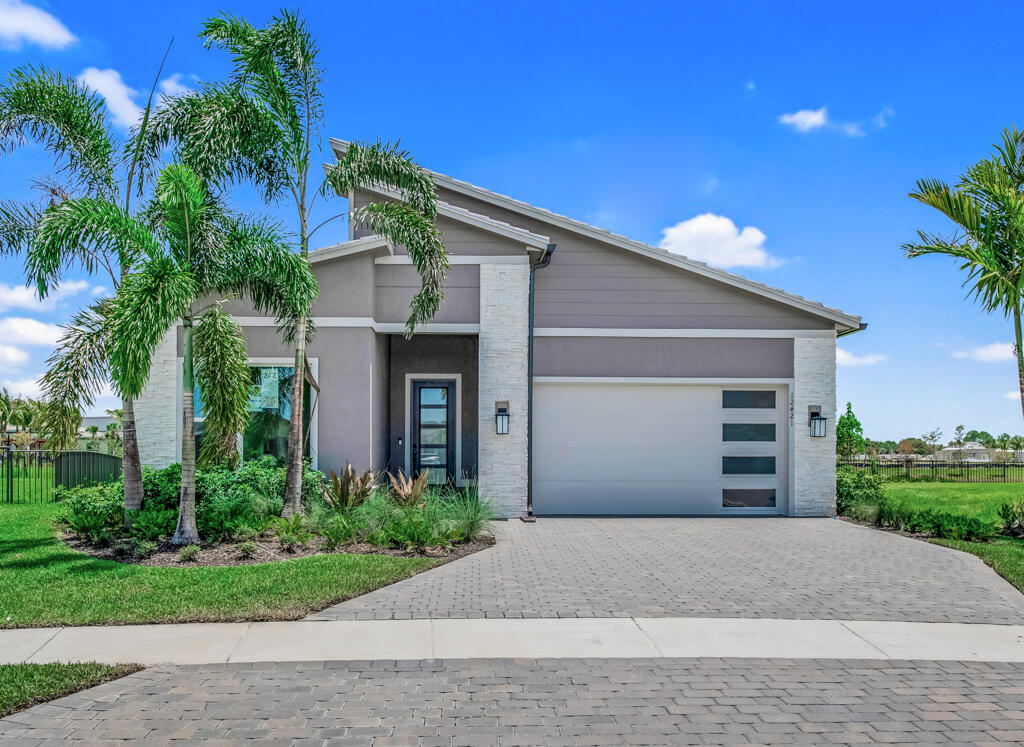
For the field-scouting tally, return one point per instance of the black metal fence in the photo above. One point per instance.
(29, 476)
(924, 469)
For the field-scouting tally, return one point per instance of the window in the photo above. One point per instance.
(748, 431)
(749, 400)
(748, 465)
(748, 498)
(269, 409)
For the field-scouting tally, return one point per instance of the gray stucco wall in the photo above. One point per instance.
(594, 284)
(659, 356)
(429, 354)
(397, 284)
(381, 402)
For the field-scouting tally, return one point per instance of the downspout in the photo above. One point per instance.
(545, 260)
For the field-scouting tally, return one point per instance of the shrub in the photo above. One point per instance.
(349, 491)
(929, 521)
(161, 488)
(93, 512)
(292, 533)
(1011, 516)
(188, 554)
(144, 548)
(407, 491)
(337, 530)
(857, 487)
(124, 548)
(153, 523)
(247, 550)
(468, 512)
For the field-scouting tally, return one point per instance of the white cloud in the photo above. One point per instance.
(846, 358)
(99, 290)
(995, 352)
(24, 387)
(173, 86)
(716, 240)
(852, 129)
(21, 23)
(23, 297)
(749, 86)
(1015, 394)
(109, 84)
(806, 120)
(12, 356)
(21, 330)
(881, 120)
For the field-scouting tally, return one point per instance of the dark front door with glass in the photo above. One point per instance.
(433, 430)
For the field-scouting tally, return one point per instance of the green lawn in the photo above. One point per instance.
(25, 685)
(43, 582)
(1006, 556)
(972, 499)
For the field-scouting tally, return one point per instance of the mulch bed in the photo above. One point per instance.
(269, 550)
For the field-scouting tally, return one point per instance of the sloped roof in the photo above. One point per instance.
(849, 322)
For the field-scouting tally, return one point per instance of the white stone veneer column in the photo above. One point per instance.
(504, 339)
(157, 409)
(814, 469)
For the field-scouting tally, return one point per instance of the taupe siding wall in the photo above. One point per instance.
(706, 357)
(593, 284)
(449, 354)
(397, 284)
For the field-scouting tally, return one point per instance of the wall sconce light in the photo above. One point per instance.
(501, 416)
(816, 421)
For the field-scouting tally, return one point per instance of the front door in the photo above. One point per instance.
(433, 430)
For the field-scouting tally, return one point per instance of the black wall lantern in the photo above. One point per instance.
(816, 421)
(501, 417)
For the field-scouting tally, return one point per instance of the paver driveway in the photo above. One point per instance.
(543, 702)
(782, 568)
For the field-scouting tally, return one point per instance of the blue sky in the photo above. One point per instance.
(780, 141)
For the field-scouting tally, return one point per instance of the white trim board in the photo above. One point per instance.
(350, 248)
(367, 322)
(649, 332)
(462, 259)
(657, 380)
(411, 377)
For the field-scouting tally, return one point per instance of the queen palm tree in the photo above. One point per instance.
(46, 107)
(987, 206)
(6, 409)
(261, 126)
(195, 248)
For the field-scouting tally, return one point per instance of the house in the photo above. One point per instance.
(972, 451)
(570, 371)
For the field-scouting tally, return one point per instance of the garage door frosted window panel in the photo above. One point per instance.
(748, 465)
(748, 497)
(748, 432)
(757, 399)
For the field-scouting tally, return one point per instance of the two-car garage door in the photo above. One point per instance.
(659, 449)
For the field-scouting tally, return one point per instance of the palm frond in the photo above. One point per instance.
(44, 106)
(404, 226)
(383, 165)
(17, 224)
(84, 230)
(222, 373)
(147, 306)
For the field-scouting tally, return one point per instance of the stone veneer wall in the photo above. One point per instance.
(504, 339)
(814, 469)
(156, 410)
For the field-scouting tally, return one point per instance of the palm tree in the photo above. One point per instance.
(195, 248)
(92, 430)
(6, 409)
(260, 126)
(987, 206)
(69, 121)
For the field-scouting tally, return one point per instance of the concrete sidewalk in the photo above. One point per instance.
(213, 643)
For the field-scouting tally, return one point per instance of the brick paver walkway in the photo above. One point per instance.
(544, 702)
(781, 568)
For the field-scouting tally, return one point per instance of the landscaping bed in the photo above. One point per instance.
(25, 685)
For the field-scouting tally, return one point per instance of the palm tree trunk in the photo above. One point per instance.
(130, 461)
(1019, 350)
(187, 533)
(293, 478)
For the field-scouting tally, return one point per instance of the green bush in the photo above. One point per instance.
(468, 513)
(292, 533)
(929, 521)
(143, 548)
(247, 550)
(153, 523)
(188, 554)
(1011, 516)
(94, 512)
(336, 530)
(855, 487)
